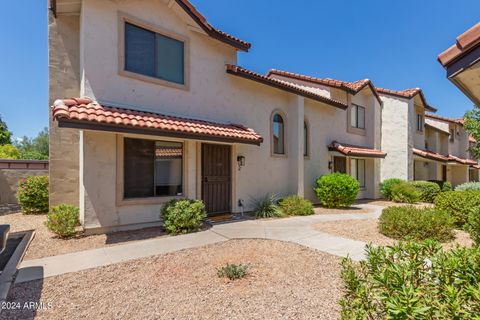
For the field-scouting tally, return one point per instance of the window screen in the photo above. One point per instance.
(278, 135)
(152, 168)
(152, 54)
(357, 170)
(357, 117)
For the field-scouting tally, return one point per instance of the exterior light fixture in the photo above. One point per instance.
(330, 165)
(241, 162)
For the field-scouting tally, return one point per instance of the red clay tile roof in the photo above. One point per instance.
(461, 160)
(430, 155)
(84, 113)
(471, 139)
(283, 85)
(465, 42)
(476, 166)
(409, 94)
(444, 119)
(209, 29)
(351, 87)
(356, 151)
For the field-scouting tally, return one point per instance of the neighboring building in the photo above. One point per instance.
(166, 113)
(462, 63)
(403, 133)
(458, 166)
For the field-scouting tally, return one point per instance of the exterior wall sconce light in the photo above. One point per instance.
(241, 162)
(330, 165)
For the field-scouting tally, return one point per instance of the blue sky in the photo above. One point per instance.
(393, 43)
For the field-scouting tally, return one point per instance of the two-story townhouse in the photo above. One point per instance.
(166, 113)
(341, 142)
(403, 133)
(459, 167)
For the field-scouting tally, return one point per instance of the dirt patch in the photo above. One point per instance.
(285, 281)
(367, 231)
(46, 244)
(352, 209)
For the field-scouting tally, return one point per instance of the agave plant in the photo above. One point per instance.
(266, 207)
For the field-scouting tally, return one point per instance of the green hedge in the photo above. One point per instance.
(415, 223)
(387, 185)
(459, 204)
(412, 281)
(474, 225)
(405, 192)
(32, 194)
(295, 206)
(337, 190)
(428, 190)
(183, 216)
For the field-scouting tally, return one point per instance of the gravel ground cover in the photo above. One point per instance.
(285, 281)
(367, 231)
(46, 244)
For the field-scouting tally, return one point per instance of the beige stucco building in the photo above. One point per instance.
(165, 113)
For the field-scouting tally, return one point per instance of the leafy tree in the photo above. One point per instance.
(472, 125)
(7, 151)
(34, 148)
(5, 135)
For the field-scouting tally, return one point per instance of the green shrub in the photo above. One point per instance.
(468, 186)
(387, 185)
(474, 225)
(447, 186)
(337, 190)
(405, 192)
(266, 207)
(296, 206)
(412, 281)
(63, 220)
(8, 151)
(233, 271)
(419, 224)
(428, 190)
(458, 204)
(32, 194)
(183, 216)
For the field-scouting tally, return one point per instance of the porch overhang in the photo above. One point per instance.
(83, 113)
(356, 151)
(430, 155)
(465, 162)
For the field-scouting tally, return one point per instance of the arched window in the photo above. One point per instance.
(305, 139)
(278, 134)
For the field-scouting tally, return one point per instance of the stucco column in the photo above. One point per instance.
(296, 145)
(191, 169)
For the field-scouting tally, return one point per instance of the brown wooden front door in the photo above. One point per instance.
(216, 178)
(444, 173)
(340, 164)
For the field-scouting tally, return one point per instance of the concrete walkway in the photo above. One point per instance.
(293, 229)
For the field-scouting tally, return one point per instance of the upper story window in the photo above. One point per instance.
(154, 55)
(152, 168)
(278, 134)
(357, 117)
(419, 122)
(305, 139)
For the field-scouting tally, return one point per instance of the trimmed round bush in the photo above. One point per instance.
(447, 186)
(468, 186)
(295, 206)
(428, 190)
(405, 192)
(459, 204)
(387, 185)
(63, 220)
(336, 190)
(416, 223)
(183, 216)
(411, 280)
(32, 194)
